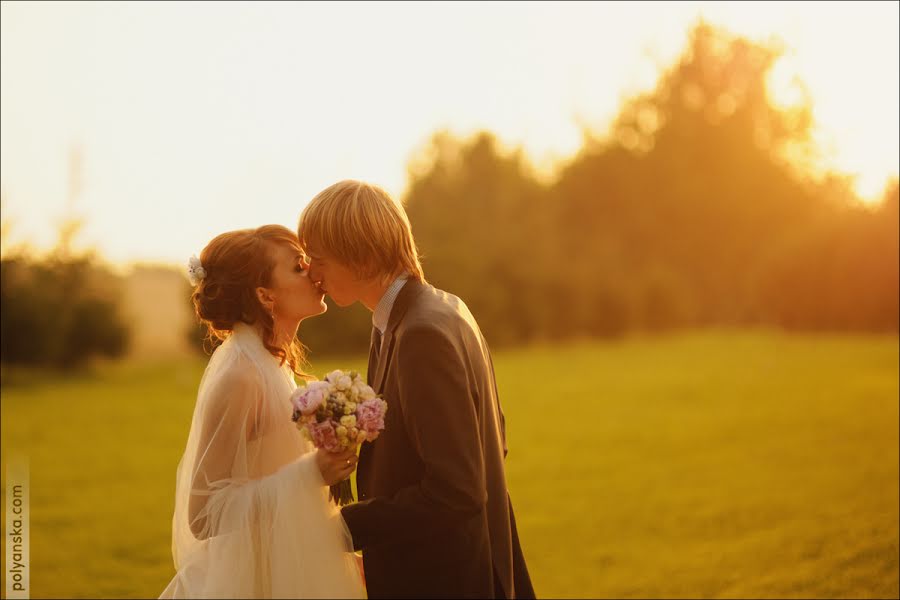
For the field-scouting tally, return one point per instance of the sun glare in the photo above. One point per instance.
(844, 59)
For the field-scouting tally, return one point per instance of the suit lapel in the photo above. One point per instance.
(410, 290)
(383, 361)
(407, 294)
(372, 365)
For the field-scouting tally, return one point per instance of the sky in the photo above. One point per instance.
(190, 119)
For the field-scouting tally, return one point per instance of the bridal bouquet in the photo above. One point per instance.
(336, 414)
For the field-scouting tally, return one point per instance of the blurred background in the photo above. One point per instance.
(676, 223)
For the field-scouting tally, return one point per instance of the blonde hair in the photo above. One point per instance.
(360, 225)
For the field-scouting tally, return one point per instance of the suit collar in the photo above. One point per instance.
(382, 312)
(404, 300)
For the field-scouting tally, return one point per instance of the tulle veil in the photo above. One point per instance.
(252, 517)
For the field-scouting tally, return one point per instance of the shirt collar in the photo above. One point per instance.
(383, 311)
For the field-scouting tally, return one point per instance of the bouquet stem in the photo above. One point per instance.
(342, 493)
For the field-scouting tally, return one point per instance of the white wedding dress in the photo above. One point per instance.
(252, 516)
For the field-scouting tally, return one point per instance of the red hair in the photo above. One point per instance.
(236, 263)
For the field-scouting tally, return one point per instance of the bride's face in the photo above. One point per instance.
(295, 295)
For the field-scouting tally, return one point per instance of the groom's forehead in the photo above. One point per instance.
(313, 254)
(314, 249)
(320, 254)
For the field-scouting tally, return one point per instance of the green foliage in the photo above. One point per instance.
(741, 465)
(59, 311)
(338, 332)
(476, 216)
(696, 209)
(840, 274)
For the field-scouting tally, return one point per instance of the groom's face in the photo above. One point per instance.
(335, 279)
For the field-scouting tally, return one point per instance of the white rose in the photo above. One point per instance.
(335, 376)
(367, 394)
(343, 383)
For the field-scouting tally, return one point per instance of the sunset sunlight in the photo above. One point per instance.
(183, 112)
(432, 299)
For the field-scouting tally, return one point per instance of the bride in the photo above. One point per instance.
(252, 517)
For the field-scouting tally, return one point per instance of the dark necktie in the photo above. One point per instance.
(374, 351)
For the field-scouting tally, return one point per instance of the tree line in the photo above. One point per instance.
(698, 208)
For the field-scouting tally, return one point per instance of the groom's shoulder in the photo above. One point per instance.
(432, 301)
(434, 308)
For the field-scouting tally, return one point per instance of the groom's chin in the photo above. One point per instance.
(341, 303)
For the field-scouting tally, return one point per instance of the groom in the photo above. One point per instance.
(434, 518)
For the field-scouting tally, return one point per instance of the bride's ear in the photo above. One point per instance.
(266, 299)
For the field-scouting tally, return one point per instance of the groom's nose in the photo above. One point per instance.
(314, 275)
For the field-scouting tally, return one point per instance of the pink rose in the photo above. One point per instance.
(370, 417)
(308, 399)
(323, 436)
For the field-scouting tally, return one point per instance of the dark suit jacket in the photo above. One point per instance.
(434, 517)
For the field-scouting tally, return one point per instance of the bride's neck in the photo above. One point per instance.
(284, 333)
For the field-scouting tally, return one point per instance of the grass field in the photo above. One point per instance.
(742, 464)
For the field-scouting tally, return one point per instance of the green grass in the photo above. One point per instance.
(737, 464)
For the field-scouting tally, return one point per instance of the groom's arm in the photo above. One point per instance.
(440, 420)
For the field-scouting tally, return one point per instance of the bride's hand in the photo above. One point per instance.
(336, 466)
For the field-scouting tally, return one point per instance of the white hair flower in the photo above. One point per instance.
(196, 272)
